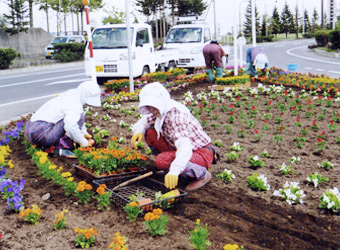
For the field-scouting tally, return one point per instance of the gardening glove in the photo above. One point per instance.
(219, 72)
(170, 181)
(136, 137)
(88, 136)
(91, 142)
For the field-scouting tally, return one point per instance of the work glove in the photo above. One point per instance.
(136, 137)
(88, 136)
(91, 142)
(170, 181)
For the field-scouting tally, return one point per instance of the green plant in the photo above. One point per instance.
(331, 200)
(316, 179)
(320, 145)
(291, 193)
(60, 221)
(31, 215)
(258, 182)
(83, 192)
(6, 57)
(232, 156)
(255, 162)
(103, 197)
(278, 139)
(69, 52)
(326, 165)
(198, 236)
(226, 175)
(155, 222)
(286, 169)
(265, 154)
(218, 143)
(236, 146)
(133, 210)
(85, 237)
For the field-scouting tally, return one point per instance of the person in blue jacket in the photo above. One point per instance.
(256, 58)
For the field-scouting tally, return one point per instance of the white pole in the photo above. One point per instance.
(89, 38)
(253, 22)
(241, 55)
(215, 20)
(127, 12)
(235, 45)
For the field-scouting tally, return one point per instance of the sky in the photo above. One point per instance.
(225, 10)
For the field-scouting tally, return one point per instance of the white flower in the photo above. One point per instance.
(277, 193)
(255, 158)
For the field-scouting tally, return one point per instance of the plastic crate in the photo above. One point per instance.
(91, 176)
(149, 187)
(293, 67)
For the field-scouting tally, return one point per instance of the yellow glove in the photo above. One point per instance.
(170, 181)
(136, 137)
(87, 136)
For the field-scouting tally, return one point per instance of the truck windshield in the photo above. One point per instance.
(59, 39)
(184, 35)
(110, 38)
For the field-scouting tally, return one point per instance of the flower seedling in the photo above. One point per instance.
(226, 175)
(332, 126)
(320, 145)
(291, 193)
(304, 131)
(297, 123)
(31, 215)
(103, 197)
(155, 222)
(118, 242)
(133, 210)
(279, 119)
(278, 139)
(236, 147)
(232, 156)
(60, 221)
(250, 123)
(241, 133)
(286, 169)
(228, 129)
(255, 162)
(83, 192)
(294, 159)
(265, 154)
(198, 236)
(316, 179)
(218, 143)
(331, 200)
(85, 237)
(315, 126)
(258, 182)
(257, 135)
(326, 165)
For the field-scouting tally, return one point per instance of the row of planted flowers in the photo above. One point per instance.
(154, 221)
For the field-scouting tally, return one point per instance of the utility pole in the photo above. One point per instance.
(215, 29)
(253, 22)
(322, 25)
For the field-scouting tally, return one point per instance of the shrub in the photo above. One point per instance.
(268, 38)
(334, 38)
(69, 52)
(6, 57)
(321, 37)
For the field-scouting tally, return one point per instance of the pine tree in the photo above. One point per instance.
(287, 20)
(315, 18)
(17, 18)
(191, 7)
(305, 23)
(247, 31)
(275, 22)
(264, 25)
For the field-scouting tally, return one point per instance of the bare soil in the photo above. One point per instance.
(234, 213)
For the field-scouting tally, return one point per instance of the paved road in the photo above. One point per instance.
(25, 90)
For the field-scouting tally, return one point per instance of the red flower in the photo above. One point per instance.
(201, 105)
(328, 98)
(338, 115)
(213, 101)
(256, 131)
(310, 101)
(0, 236)
(297, 119)
(269, 103)
(286, 93)
(232, 112)
(188, 103)
(280, 128)
(203, 118)
(253, 108)
(320, 140)
(314, 122)
(265, 120)
(323, 132)
(281, 115)
(231, 105)
(238, 98)
(332, 122)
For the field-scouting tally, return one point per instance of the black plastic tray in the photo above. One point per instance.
(148, 186)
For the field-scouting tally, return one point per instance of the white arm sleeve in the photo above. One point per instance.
(84, 130)
(72, 129)
(141, 125)
(224, 61)
(183, 155)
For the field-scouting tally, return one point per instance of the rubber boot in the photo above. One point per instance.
(210, 74)
(219, 72)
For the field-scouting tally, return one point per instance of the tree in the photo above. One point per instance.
(275, 22)
(315, 18)
(114, 17)
(297, 22)
(305, 24)
(247, 31)
(287, 20)
(191, 7)
(173, 5)
(264, 28)
(17, 18)
(44, 5)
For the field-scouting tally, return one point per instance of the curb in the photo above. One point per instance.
(325, 53)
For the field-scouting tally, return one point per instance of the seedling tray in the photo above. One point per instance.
(87, 174)
(149, 187)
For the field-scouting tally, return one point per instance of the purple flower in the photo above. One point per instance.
(22, 184)
(3, 172)
(4, 184)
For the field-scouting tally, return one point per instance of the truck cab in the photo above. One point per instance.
(110, 50)
(189, 40)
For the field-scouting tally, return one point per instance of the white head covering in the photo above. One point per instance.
(155, 95)
(260, 61)
(89, 93)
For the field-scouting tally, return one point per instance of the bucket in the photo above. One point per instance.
(292, 67)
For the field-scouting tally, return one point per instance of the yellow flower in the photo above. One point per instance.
(66, 174)
(43, 159)
(10, 164)
(230, 247)
(70, 179)
(52, 167)
(198, 221)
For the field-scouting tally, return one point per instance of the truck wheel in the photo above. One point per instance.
(172, 65)
(145, 70)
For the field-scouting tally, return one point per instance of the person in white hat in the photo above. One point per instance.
(175, 136)
(256, 58)
(60, 122)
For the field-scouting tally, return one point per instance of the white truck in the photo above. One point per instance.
(189, 40)
(110, 52)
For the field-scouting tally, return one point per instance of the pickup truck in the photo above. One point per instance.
(110, 52)
(189, 40)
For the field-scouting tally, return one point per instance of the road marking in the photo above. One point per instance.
(335, 72)
(27, 100)
(278, 46)
(41, 73)
(308, 58)
(308, 68)
(319, 69)
(41, 80)
(67, 81)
